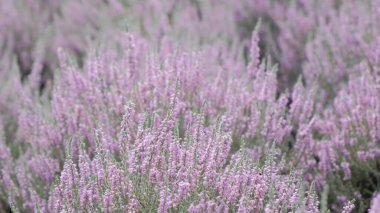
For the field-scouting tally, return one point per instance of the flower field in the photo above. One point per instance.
(190, 106)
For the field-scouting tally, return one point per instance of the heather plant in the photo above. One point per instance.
(160, 171)
(345, 77)
(332, 58)
(321, 40)
(194, 110)
(101, 88)
(31, 32)
(355, 136)
(109, 80)
(339, 147)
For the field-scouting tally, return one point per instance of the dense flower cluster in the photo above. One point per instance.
(201, 106)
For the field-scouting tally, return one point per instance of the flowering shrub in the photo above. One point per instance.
(205, 106)
(171, 150)
(30, 33)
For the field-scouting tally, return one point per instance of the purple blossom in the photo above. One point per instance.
(192, 109)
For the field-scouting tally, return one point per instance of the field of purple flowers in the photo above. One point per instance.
(190, 106)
